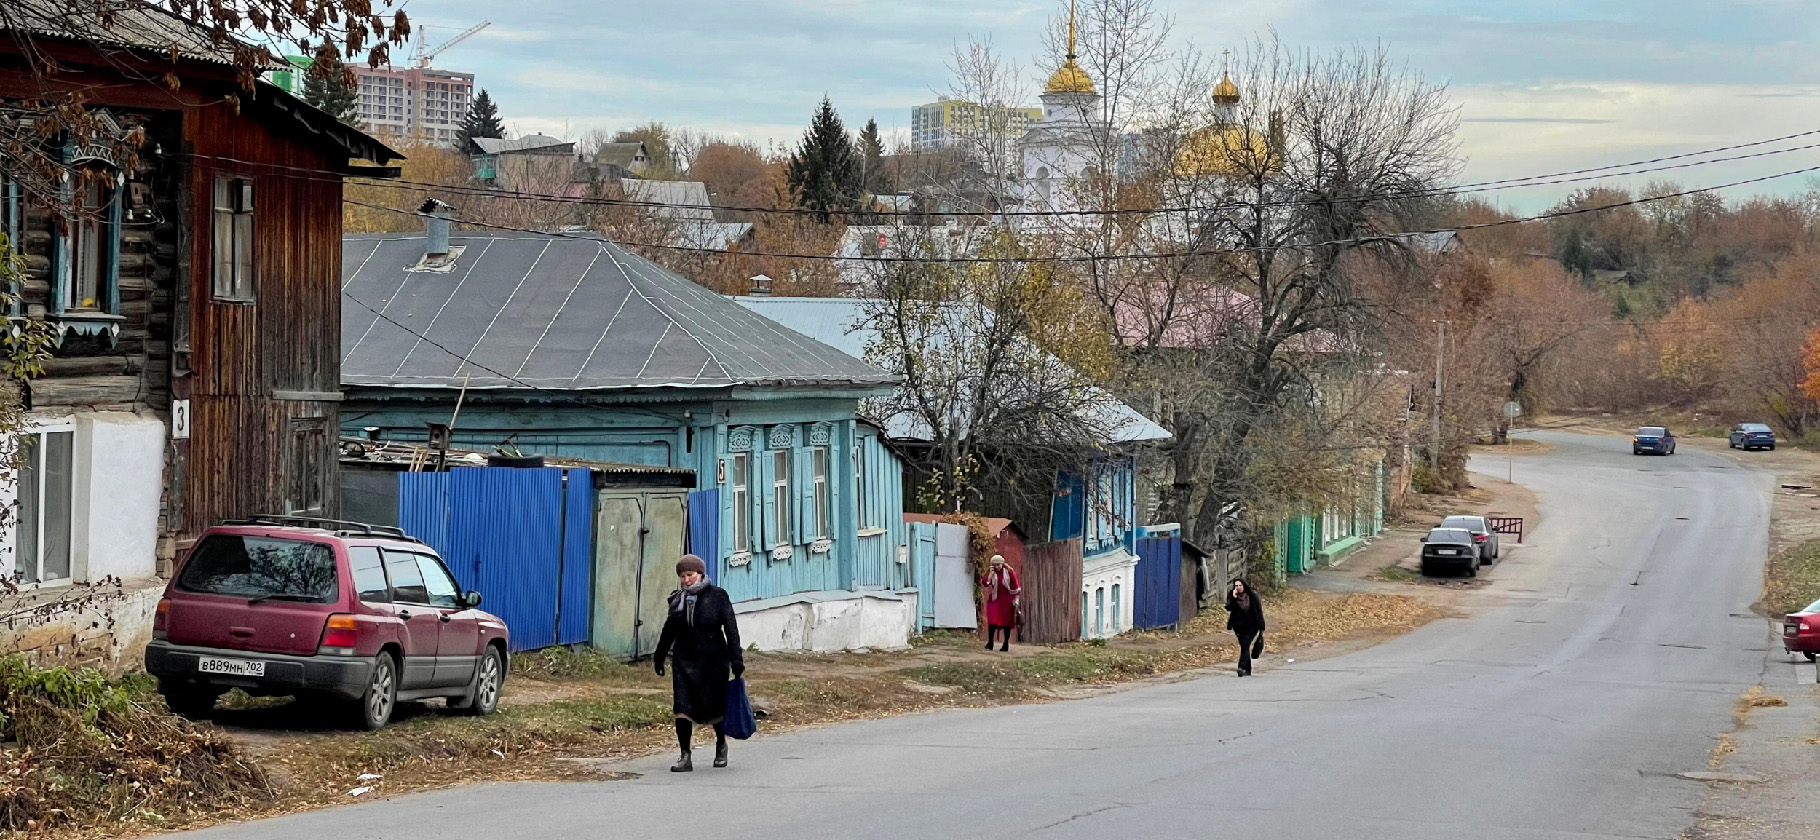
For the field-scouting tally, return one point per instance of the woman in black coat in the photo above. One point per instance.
(701, 638)
(1246, 620)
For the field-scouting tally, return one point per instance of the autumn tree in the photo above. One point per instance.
(657, 139)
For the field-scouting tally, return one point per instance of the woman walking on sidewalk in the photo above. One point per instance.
(1246, 620)
(1002, 591)
(701, 638)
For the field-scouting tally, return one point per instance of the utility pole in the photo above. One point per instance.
(1434, 445)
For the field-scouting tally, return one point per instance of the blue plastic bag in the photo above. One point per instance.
(738, 722)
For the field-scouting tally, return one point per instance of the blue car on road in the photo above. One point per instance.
(1653, 440)
(1748, 436)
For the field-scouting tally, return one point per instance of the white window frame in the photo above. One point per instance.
(780, 496)
(740, 480)
(41, 431)
(823, 512)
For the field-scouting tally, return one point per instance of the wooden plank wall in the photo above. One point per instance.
(1052, 592)
(289, 339)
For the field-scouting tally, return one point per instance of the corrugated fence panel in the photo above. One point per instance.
(423, 508)
(1159, 583)
(1052, 591)
(574, 613)
(704, 531)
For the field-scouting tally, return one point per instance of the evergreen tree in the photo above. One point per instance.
(872, 158)
(482, 121)
(824, 172)
(325, 86)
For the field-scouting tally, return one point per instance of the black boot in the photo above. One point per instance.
(684, 764)
(720, 754)
(684, 729)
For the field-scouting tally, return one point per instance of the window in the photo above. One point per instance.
(1099, 611)
(369, 574)
(304, 463)
(233, 239)
(859, 481)
(780, 495)
(437, 583)
(407, 581)
(1116, 612)
(88, 256)
(823, 527)
(263, 569)
(742, 511)
(41, 540)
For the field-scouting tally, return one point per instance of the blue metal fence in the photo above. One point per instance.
(517, 537)
(704, 530)
(1159, 582)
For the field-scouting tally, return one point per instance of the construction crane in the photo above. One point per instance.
(424, 55)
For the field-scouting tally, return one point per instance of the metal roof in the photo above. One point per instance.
(837, 322)
(134, 24)
(560, 313)
(497, 145)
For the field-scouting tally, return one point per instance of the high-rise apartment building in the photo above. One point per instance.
(943, 123)
(414, 103)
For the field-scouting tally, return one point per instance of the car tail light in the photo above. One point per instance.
(1478, 538)
(338, 636)
(1636, 440)
(161, 627)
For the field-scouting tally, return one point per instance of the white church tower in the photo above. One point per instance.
(1060, 147)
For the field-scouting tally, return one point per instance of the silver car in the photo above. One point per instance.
(1482, 534)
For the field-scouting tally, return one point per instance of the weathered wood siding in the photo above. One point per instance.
(244, 357)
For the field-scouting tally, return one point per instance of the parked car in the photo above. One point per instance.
(341, 612)
(1654, 440)
(1748, 436)
(1450, 547)
(1483, 537)
(1801, 631)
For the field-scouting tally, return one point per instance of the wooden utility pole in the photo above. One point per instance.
(1434, 445)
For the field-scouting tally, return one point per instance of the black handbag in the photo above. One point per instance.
(1257, 645)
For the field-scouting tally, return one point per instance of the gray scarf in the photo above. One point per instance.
(684, 600)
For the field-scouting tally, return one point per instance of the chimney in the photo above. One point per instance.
(437, 224)
(761, 286)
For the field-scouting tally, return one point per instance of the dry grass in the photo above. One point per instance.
(1757, 699)
(1791, 579)
(1726, 746)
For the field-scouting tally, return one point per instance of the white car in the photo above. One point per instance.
(1482, 534)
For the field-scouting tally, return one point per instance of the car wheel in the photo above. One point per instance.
(381, 696)
(190, 701)
(1472, 570)
(1772, 447)
(483, 692)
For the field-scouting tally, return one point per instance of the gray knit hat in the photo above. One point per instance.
(691, 563)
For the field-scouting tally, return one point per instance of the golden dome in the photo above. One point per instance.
(1224, 150)
(1069, 79)
(1226, 93)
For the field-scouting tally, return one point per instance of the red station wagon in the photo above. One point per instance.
(357, 614)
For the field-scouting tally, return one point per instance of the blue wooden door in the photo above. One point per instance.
(922, 571)
(1159, 583)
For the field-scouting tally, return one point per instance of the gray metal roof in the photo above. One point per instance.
(838, 322)
(560, 313)
(532, 142)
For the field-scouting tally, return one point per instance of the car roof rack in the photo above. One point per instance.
(339, 526)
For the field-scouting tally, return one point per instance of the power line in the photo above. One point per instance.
(1553, 179)
(1197, 252)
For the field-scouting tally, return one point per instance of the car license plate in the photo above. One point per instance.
(230, 667)
(1447, 551)
(1791, 629)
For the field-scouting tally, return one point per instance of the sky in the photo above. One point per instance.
(1543, 85)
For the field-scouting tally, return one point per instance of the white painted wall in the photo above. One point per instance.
(1100, 573)
(119, 465)
(825, 622)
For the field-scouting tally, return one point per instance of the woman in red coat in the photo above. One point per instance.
(1002, 590)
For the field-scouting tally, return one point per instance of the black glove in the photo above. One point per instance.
(739, 670)
(660, 666)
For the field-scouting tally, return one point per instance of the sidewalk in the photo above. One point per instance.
(1762, 784)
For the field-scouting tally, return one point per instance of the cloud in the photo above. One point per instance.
(1561, 120)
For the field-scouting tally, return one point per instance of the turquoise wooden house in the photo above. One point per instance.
(573, 346)
(1097, 504)
(1325, 536)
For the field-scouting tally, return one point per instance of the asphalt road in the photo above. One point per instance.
(1603, 658)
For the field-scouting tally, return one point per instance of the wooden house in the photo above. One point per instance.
(572, 346)
(191, 288)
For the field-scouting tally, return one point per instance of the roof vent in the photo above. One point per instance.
(438, 255)
(761, 286)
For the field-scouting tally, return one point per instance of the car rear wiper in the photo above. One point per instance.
(282, 596)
